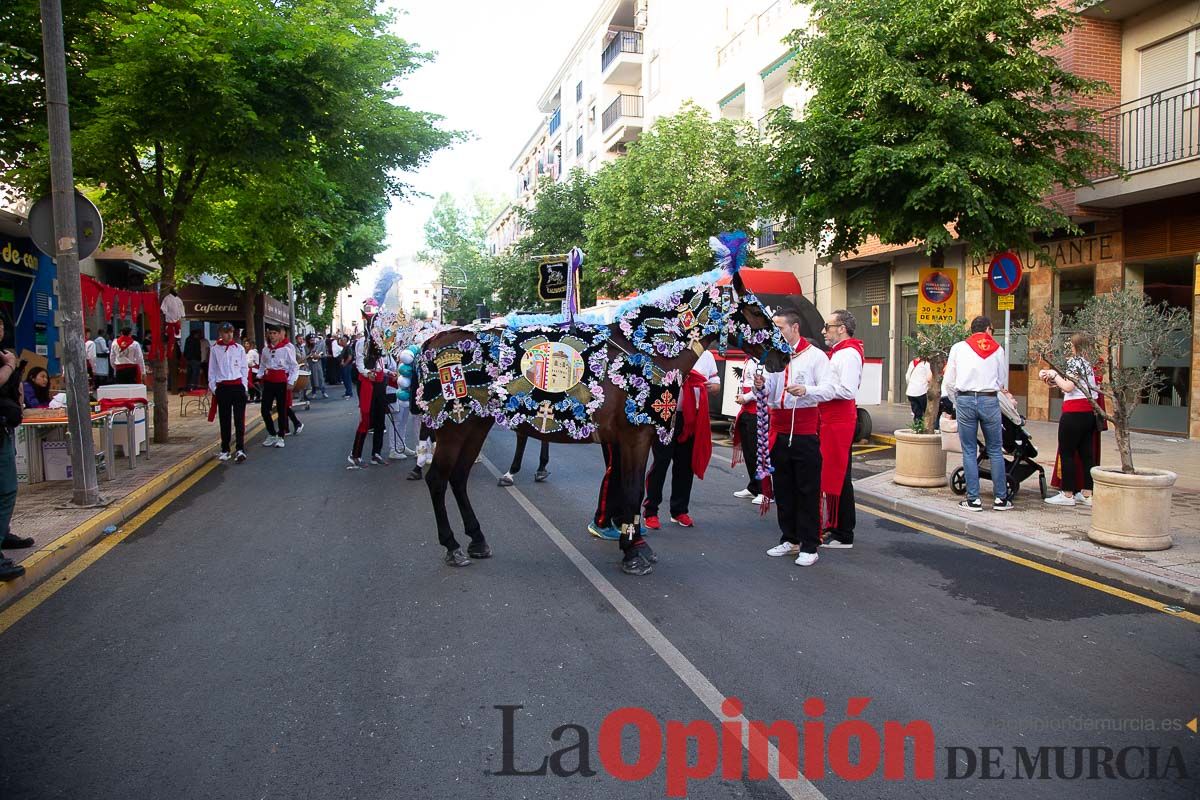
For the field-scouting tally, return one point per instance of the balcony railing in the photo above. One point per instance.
(555, 120)
(768, 233)
(1154, 130)
(625, 42)
(626, 105)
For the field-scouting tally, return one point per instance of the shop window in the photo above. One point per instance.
(1169, 281)
(1075, 287)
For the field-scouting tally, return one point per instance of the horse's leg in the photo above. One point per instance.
(543, 462)
(633, 450)
(450, 439)
(507, 478)
(476, 434)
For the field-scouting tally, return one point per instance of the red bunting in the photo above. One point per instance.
(126, 303)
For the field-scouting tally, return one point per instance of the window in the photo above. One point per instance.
(1075, 286)
(579, 92)
(579, 146)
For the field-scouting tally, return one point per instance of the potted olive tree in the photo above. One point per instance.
(920, 459)
(1131, 507)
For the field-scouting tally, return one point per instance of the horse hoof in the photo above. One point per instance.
(457, 558)
(505, 480)
(637, 565)
(479, 551)
(541, 475)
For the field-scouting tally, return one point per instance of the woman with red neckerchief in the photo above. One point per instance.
(838, 419)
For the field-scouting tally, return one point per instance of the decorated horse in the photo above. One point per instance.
(575, 381)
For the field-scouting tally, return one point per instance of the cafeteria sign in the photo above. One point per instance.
(935, 304)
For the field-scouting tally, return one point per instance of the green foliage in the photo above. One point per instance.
(455, 246)
(1132, 337)
(930, 113)
(932, 343)
(685, 179)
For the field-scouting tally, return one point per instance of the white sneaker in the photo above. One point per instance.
(408, 451)
(240, 456)
(279, 441)
(1083, 500)
(299, 429)
(743, 494)
(1060, 499)
(806, 559)
(836, 545)
(270, 441)
(784, 549)
(224, 456)
(397, 455)
(355, 463)
(759, 500)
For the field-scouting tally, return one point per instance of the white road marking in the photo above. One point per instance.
(694, 679)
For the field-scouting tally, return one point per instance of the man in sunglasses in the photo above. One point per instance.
(838, 417)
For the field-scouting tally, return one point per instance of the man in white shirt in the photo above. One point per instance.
(745, 433)
(277, 373)
(228, 380)
(976, 372)
(172, 311)
(839, 418)
(102, 365)
(89, 356)
(690, 447)
(792, 396)
(917, 378)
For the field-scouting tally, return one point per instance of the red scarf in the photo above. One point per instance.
(282, 342)
(695, 425)
(123, 342)
(983, 344)
(838, 419)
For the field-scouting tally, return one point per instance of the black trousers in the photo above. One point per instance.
(1076, 449)
(275, 394)
(376, 415)
(747, 426)
(797, 485)
(676, 456)
(608, 505)
(231, 412)
(846, 519)
(918, 405)
(125, 374)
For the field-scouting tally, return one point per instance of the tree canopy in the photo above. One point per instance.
(455, 246)
(928, 114)
(653, 210)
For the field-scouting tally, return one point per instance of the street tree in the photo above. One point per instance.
(931, 121)
(653, 210)
(174, 105)
(455, 246)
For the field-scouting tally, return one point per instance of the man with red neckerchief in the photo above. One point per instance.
(839, 416)
(792, 396)
(228, 380)
(277, 371)
(976, 373)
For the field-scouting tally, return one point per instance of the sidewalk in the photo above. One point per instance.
(61, 530)
(1060, 534)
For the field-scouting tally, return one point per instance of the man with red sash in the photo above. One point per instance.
(126, 358)
(792, 396)
(277, 372)
(976, 372)
(228, 378)
(690, 447)
(838, 419)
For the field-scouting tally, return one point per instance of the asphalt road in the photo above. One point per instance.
(286, 629)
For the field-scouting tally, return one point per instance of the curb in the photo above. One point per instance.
(40, 566)
(883, 438)
(1165, 587)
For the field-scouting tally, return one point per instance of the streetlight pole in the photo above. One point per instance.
(66, 256)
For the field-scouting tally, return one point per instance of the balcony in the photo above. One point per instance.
(621, 61)
(555, 120)
(622, 120)
(1156, 140)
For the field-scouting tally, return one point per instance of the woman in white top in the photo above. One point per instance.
(918, 377)
(1077, 425)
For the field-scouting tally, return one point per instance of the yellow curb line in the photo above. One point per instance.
(1025, 562)
(46, 561)
(883, 438)
(862, 450)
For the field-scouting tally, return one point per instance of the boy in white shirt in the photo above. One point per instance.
(228, 379)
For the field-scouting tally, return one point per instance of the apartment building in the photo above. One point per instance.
(1143, 230)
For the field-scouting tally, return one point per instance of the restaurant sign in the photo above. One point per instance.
(1076, 252)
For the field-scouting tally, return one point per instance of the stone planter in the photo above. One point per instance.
(920, 460)
(1132, 512)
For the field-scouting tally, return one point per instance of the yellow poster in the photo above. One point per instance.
(935, 297)
(1006, 302)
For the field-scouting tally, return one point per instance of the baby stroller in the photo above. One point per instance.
(1019, 452)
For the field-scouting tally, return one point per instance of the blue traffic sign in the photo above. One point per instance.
(1005, 273)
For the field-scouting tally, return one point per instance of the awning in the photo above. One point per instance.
(734, 95)
(781, 61)
(211, 303)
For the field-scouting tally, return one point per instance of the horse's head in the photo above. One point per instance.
(752, 330)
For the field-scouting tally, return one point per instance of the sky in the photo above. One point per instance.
(493, 59)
